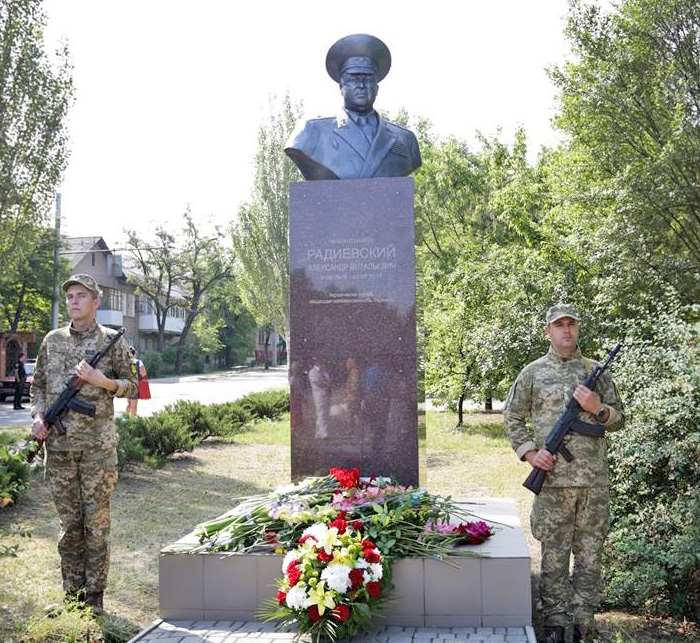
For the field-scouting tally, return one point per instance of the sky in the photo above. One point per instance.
(170, 94)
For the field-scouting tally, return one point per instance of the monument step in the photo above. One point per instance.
(489, 590)
(172, 631)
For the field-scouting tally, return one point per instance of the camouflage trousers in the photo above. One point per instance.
(81, 484)
(570, 520)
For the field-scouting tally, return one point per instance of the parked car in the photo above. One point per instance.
(7, 384)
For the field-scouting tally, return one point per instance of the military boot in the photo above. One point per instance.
(554, 634)
(94, 601)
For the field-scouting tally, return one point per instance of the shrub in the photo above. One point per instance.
(266, 404)
(71, 625)
(194, 415)
(162, 434)
(652, 560)
(153, 363)
(227, 418)
(14, 475)
(130, 447)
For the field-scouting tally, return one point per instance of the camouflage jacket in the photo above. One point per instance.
(539, 396)
(60, 353)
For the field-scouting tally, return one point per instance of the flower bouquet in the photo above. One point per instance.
(333, 583)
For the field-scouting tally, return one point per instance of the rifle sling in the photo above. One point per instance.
(587, 429)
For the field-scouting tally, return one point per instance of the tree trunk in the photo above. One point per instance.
(182, 341)
(488, 403)
(460, 409)
(267, 344)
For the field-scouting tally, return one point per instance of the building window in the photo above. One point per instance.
(111, 299)
(144, 306)
(130, 305)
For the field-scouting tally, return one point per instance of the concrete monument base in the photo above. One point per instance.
(491, 590)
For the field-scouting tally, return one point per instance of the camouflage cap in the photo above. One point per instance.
(562, 310)
(84, 280)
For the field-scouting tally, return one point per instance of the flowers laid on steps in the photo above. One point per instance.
(333, 582)
(340, 535)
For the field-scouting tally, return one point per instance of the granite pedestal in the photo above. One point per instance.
(492, 590)
(353, 328)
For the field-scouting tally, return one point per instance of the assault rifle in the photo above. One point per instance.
(568, 422)
(67, 400)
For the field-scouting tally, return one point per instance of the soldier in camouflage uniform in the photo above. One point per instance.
(81, 466)
(571, 513)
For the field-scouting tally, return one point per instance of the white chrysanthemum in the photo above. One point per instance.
(318, 531)
(297, 598)
(377, 571)
(291, 555)
(337, 577)
(361, 563)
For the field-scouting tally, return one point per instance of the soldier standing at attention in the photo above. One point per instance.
(571, 514)
(81, 466)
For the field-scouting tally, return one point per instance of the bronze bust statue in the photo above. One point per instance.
(358, 143)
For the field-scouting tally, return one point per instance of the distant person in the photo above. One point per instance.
(81, 465)
(20, 379)
(571, 514)
(138, 369)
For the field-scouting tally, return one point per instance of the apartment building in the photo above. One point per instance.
(120, 305)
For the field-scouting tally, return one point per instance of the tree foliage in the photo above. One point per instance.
(260, 232)
(35, 94)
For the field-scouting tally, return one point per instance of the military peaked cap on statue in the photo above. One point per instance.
(83, 280)
(562, 310)
(358, 54)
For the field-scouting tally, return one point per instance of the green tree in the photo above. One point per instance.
(261, 230)
(35, 94)
(631, 102)
(204, 262)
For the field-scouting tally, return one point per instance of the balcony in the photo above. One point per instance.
(110, 317)
(149, 324)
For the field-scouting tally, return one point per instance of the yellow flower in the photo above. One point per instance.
(320, 596)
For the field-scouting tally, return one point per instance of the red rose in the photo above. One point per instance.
(281, 597)
(357, 577)
(368, 544)
(303, 539)
(341, 613)
(313, 613)
(323, 557)
(371, 556)
(292, 564)
(271, 537)
(373, 588)
(341, 515)
(357, 525)
(293, 576)
(340, 524)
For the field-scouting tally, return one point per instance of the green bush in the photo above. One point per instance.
(652, 561)
(14, 475)
(266, 404)
(153, 362)
(130, 447)
(226, 419)
(161, 435)
(194, 415)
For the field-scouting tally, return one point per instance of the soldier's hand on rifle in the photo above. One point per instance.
(39, 430)
(95, 377)
(541, 459)
(588, 400)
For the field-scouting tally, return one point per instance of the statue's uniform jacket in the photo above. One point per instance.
(336, 148)
(571, 513)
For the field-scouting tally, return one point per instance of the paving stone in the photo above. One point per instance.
(516, 631)
(192, 639)
(400, 638)
(459, 631)
(250, 626)
(485, 631)
(499, 630)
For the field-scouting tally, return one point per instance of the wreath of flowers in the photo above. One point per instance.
(333, 582)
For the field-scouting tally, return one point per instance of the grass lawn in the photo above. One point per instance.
(153, 507)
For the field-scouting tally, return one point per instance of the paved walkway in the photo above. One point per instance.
(259, 632)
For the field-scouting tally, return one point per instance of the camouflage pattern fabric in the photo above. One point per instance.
(567, 521)
(571, 513)
(60, 353)
(540, 394)
(81, 483)
(81, 466)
